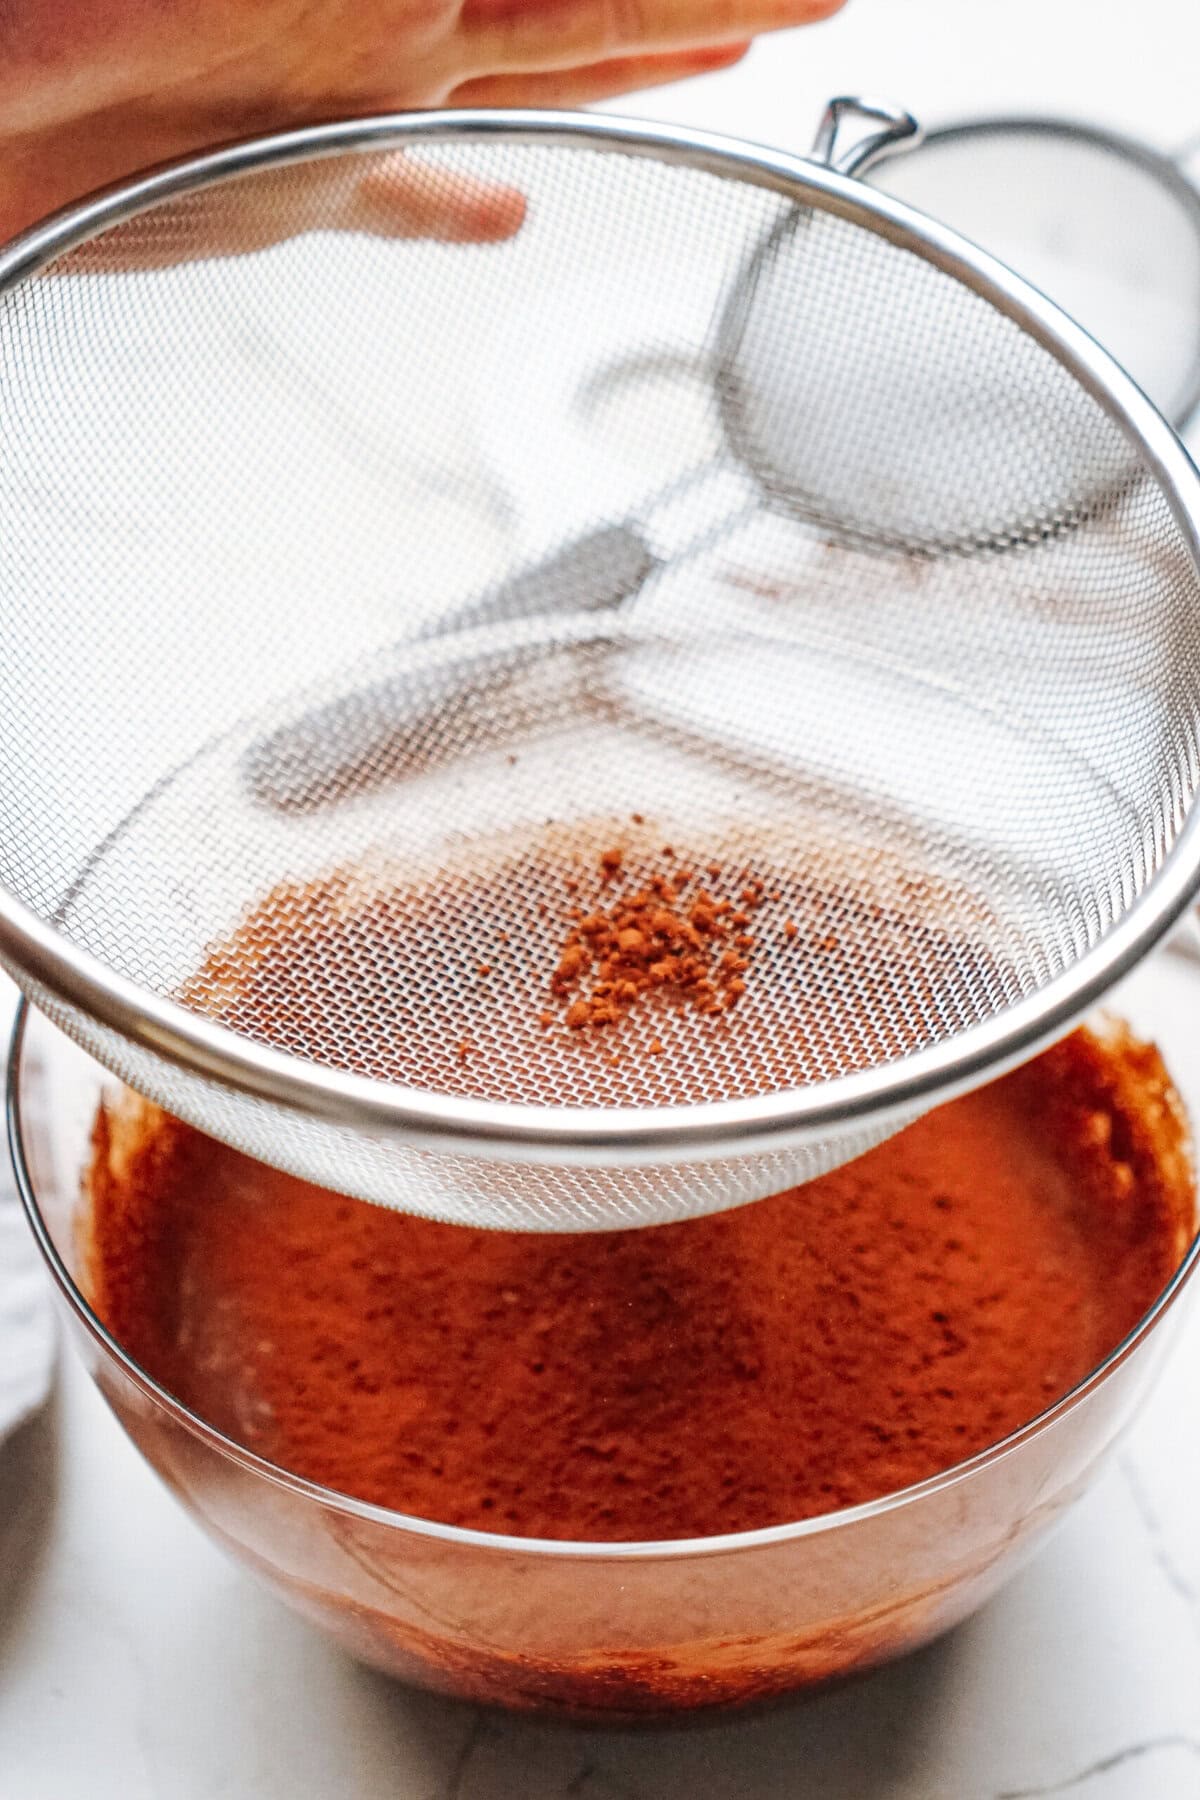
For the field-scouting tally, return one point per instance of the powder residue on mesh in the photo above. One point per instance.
(610, 966)
(654, 938)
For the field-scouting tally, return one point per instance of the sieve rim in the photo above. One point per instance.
(34, 952)
(1158, 163)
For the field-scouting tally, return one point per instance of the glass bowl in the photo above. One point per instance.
(612, 1631)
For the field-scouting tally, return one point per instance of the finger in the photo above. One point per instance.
(598, 81)
(395, 196)
(533, 36)
(403, 197)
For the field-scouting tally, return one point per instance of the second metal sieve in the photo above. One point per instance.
(930, 676)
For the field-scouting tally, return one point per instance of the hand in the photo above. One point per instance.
(90, 93)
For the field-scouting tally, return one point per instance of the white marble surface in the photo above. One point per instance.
(136, 1664)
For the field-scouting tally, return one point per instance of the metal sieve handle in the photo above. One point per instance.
(855, 133)
(343, 748)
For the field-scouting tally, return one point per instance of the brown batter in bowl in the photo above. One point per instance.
(614, 1630)
(817, 1350)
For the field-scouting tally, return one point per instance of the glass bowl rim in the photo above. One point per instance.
(499, 1543)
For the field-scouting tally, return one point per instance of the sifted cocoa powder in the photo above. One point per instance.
(815, 1350)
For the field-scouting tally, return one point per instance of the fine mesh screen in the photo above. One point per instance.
(1109, 229)
(912, 642)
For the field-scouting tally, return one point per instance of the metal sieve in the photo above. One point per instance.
(920, 655)
(1107, 226)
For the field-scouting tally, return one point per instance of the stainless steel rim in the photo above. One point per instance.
(499, 1543)
(36, 954)
(1162, 167)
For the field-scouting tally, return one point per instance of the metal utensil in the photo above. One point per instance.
(930, 668)
(330, 753)
(1107, 226)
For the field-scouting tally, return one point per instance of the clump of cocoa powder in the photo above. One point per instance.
(670, 934)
